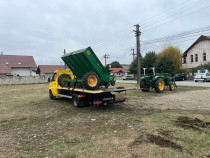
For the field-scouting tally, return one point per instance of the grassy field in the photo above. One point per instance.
(32, 125)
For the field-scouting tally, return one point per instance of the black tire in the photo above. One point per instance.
(51, 95)
(159, 88)
(61, 79)
(78, 102)
(143, 86)
(196, 81)
(113, 83)
(204, 80)
(171, 86)
(87, 82)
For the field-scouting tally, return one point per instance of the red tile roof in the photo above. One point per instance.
(115, 70)
(201, 38)
(9, 61)
(47, 69)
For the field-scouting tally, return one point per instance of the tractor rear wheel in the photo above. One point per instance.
(61, 79)
(159, 85)
(91, 81)
(143, 86)
(171, 86)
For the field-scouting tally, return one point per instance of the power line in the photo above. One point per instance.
(175, 19)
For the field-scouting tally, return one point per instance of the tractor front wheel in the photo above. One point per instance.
(91, 81)
(159, 85)
(171, 86)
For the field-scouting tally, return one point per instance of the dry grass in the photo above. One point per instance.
(31, 125)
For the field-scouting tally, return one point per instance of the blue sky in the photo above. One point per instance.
(44, 28)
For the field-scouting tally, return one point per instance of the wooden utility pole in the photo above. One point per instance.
(133, 53)
(138, 33)
(64, 52)
(106, 56)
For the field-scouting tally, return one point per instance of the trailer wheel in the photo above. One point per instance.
(51, 95)
(78, 102)
(143, 86)
(61, 79)
(113, 83)
(171, 86)
(159, 85)
(91, 81)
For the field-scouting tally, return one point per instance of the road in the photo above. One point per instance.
(179, 83)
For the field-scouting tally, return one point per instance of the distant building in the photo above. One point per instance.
(198, 53)
(119, 71)
(17, 65)
(49, 69)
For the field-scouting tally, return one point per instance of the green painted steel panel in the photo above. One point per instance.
(82, 61)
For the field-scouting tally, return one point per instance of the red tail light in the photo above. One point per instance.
(97, 102)
(120, 99)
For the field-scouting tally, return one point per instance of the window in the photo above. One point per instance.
(191, 58)
(54, 77)
(196, 57)
(184, 60)
(204, 56)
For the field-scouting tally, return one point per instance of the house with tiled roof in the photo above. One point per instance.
(119, 71)
(49, 69)
(198, 53)
(17, 65)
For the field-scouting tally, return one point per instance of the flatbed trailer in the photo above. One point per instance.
(82, 97)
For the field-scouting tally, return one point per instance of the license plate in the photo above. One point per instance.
(106, 99)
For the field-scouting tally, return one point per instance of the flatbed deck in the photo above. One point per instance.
(103, 90)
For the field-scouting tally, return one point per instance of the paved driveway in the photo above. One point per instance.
(179, 83)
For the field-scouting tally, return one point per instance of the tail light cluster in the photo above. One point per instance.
(120, 99)
(97, 102)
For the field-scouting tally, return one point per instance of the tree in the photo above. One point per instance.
(169, 60)
(149, 60)
(133, 66)
(116, 64)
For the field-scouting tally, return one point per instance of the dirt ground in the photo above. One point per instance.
(198, 100)
(149, 124)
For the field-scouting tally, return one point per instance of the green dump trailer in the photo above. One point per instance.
(87, 69)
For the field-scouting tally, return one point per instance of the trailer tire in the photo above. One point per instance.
(61, 79)
(91, 81)
(143, 86)
(159, 85)
(51, 95)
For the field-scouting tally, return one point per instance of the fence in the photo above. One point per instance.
(9, 80)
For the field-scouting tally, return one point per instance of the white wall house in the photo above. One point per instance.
(198, 53)
(17, 65)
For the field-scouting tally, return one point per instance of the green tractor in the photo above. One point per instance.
(159, 82)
